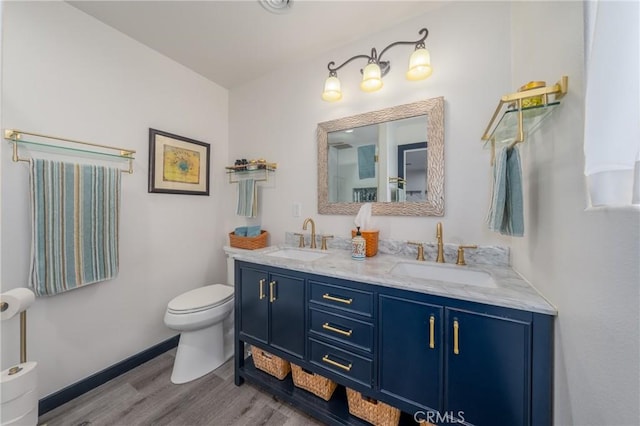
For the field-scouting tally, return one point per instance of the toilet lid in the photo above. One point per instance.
(203, 297)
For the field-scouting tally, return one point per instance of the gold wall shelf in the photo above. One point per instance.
(259, 174)
(66, 145)
(524, 113)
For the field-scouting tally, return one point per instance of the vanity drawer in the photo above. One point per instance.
(343, 329)
(343, 363)
(343, 298)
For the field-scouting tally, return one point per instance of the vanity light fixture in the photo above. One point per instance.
(419, 68)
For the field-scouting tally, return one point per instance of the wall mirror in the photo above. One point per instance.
(392, 158)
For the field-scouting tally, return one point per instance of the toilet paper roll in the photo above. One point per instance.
(20, 383)
(16, 300)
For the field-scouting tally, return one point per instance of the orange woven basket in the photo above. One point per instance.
(314, 383)
(375, 412)
(249, 243)
(371, 238)
(274, 365)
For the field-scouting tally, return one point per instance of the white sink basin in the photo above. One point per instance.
(297, 254)
(449, 273)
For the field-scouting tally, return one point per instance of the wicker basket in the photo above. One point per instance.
(371, 237)
(375, 412)
(269, 363)
(249, 243)
(314, 383)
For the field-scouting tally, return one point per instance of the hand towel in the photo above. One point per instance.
(75, 212)
(247, 198)
(506, 207)
(367, 161)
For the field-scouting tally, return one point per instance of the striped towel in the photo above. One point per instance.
(74, 210)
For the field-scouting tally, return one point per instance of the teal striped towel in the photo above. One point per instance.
(75, 211)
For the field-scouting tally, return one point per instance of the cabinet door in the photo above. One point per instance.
(488, 373)
(286, 297)
(411, 351)
(255, 304)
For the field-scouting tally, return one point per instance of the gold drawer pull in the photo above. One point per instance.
(262, 295)
(336, 364)
(327, 326)
(272, 296)
(456, 349)
(432, 323)
(336, 299)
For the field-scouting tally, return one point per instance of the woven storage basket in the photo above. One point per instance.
(269, 363)
(371, 237)
(249, 243)
(314, 383)
(375, 412)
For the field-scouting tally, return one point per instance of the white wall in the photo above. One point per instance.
(66, 74)
(585, 262)
(276, 117)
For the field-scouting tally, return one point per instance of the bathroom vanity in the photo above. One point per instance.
(481, 355)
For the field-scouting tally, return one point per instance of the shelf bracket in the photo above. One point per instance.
(558, 90)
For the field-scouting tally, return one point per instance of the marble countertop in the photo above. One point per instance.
(511, 290)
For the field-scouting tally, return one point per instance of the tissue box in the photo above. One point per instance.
(371, 237)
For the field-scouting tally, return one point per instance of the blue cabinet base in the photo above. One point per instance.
(332, 412)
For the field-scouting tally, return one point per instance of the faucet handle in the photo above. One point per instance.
(324, 241)
(461, 248)
(420, 249)
(301, 239)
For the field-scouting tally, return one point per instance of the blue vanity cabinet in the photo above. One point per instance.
(441, 359)
(341, 334)
(472, 363)
(487, 376)
(411, 351)
(272, 308)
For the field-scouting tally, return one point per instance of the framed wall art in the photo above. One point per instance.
(177, 165)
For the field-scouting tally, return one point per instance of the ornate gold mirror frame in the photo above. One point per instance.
(433, 109)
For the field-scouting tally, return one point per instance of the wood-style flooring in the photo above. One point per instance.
(146, 396)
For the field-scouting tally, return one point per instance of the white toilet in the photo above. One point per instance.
(200, 315)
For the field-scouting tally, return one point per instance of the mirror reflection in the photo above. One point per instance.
(379, 162)
(393, 158)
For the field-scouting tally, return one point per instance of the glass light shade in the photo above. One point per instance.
(371, 78)
(419, 65)
(332, 90)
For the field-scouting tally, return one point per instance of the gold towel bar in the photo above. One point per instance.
(14, 137)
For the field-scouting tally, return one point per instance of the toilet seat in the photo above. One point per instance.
(200, 299)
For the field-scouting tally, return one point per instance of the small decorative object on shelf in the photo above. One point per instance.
(258, 170)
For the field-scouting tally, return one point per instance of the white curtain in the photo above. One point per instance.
(612, 102)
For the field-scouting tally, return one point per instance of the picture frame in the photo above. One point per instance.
(178, 165)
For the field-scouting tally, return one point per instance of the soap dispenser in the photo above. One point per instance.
(358, 246)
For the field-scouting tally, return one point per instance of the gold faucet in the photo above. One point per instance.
(440, 258)
(313, 231)
(420, 255)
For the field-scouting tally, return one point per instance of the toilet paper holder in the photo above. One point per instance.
(23, 330)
